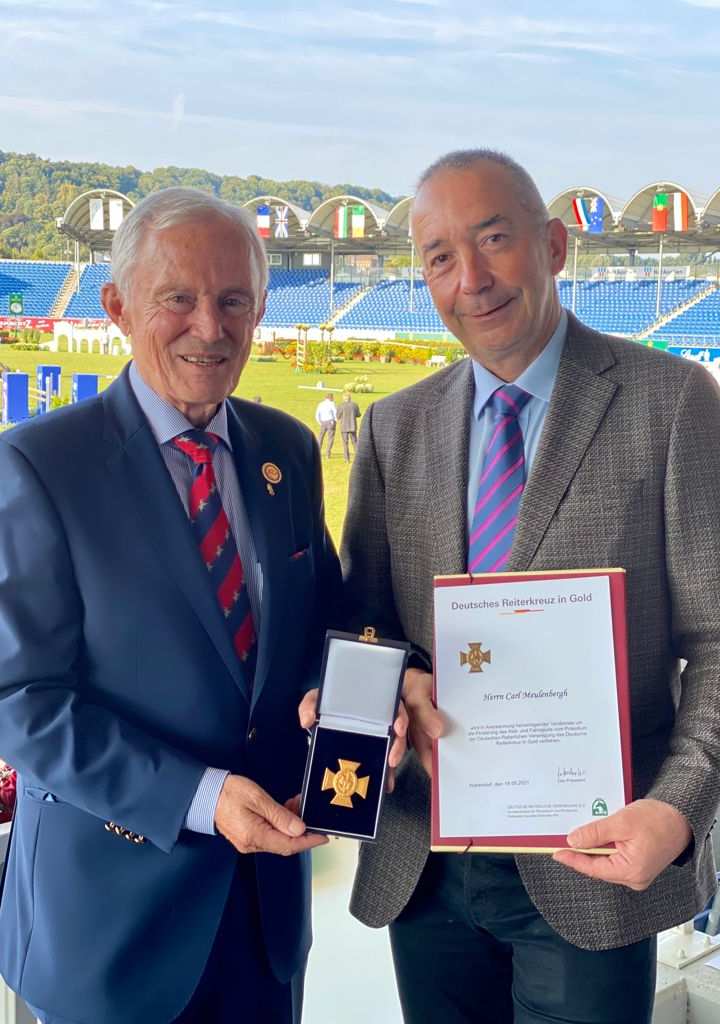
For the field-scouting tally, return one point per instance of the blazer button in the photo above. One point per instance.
(252, 735)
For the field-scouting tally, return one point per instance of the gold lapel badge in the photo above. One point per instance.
(475, 657)
(345, 783)
(272, 475)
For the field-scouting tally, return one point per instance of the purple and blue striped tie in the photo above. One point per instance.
(501, 484)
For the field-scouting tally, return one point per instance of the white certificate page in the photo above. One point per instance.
(525, 677)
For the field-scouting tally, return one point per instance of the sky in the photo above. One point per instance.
(614, 95)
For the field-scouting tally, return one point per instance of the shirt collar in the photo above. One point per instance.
(166, 422)
(538, 379)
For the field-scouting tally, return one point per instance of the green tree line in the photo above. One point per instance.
(34, 192)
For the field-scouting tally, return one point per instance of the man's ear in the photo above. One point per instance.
(113, 304)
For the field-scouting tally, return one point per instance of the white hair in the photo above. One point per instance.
(169, 207)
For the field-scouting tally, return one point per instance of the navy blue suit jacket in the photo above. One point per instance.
(119, 685)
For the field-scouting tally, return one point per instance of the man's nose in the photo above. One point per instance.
(206, 322)
(475, 275)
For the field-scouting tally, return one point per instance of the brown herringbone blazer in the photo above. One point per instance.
(627, 473)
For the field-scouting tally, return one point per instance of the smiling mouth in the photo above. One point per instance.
(203, 360)
(477, 315)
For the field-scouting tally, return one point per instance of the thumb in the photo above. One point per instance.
(594, 833)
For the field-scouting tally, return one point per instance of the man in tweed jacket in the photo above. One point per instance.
(623, 448)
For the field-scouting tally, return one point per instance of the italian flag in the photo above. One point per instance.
(680, 211)
(358, 221)
(341, 222)
(660, 212)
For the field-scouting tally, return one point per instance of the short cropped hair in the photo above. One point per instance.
(463, 159)
(169, 207)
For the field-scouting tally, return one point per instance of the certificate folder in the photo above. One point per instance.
(531, 675)
(344, 782)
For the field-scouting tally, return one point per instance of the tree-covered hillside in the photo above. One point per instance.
(34, 192)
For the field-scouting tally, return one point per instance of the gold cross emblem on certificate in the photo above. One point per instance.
(345, 783)
(475, 657)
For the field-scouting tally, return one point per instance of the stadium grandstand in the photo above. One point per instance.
(655, 271)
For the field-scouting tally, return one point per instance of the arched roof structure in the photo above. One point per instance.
(323, 217)
(562, 206)
(399, 217)
(93, 217)
(636, 215)
(711, 210)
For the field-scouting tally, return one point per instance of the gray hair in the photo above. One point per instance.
(461, 159)
(169, 207)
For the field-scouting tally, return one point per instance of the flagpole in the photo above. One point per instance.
(332, 276)
(659, 280)
(574, 287)
(412, 276)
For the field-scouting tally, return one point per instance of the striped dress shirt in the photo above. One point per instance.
(166, 422)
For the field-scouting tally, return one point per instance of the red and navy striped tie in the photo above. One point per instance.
(216, 542)
(501, 484)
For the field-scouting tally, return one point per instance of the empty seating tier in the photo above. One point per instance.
(38, 283)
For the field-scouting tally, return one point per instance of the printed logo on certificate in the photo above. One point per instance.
(531, 677)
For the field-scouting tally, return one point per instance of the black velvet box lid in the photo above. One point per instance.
(344, 781)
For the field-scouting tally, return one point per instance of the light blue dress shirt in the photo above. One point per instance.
(166, 422)
(538, 380)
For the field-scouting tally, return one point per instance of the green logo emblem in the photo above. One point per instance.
(599, 808)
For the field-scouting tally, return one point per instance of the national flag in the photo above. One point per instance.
(358, 221)
(97, 216)
(263, 221)
(597, 214)
(115, 208)
(680, 211)
(660, 212)
(580, 210)
(281, 221)
(341, 222)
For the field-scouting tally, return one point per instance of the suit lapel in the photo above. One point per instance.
(447, 440)
(579, 401)
(138, 468)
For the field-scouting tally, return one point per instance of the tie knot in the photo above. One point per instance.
(199, 445)
(509, 400)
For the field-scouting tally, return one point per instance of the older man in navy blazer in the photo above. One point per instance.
(164, 569)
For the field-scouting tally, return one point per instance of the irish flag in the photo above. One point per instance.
(358, 221)
(680, 211)
(341, 222)
(660, 212)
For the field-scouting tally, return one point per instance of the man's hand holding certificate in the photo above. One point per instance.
(531, 679)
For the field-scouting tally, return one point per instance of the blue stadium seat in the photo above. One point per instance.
(39, 284)
(86, 301)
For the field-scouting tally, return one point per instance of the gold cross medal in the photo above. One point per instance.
(475, 657)
(345, 783)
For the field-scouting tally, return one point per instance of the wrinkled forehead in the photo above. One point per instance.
(206, 249)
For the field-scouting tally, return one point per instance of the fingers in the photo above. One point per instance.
(307, 711)
(253, 822)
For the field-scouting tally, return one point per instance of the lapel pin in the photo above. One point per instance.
(272, 476)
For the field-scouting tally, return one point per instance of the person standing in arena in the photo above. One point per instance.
(348, 415)
(164, 575)
(326, 417)
(617, 464)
